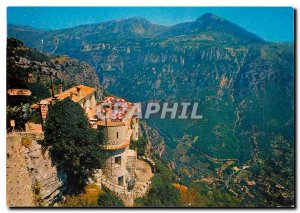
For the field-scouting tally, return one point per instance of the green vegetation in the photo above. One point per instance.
(92, 196)
(140, 145)
(88, 198)
(212, 197)
(162, 192)
(109, 199)
(73, 146)
(18, 107)
(26, 142)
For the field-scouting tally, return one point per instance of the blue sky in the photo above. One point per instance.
(270, 23)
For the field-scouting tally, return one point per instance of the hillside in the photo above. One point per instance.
(39, 66)
(30, 69)
(245, 87)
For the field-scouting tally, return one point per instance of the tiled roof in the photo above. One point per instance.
(83, 90)
(114, 147)
(128, 114)
(110, 123)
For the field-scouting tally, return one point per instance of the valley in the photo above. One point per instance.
(244, 145)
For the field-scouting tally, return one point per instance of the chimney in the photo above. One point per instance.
(78, 91)
(60, 88)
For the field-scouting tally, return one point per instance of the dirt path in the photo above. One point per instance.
(143, 171)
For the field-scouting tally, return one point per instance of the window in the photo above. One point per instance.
(117, 135)
(120, 180)
(118, 161)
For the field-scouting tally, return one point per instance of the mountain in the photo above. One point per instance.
(244, 86)
(214, 28)
(50, 41)
(25, 33)
(208, 27)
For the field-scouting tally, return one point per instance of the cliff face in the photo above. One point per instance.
(18, 182)
(155, 142)
(31, 178)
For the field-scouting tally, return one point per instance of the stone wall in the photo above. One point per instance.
(125, 195)
(113, 132)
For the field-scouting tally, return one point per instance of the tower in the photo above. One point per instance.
(119, 129)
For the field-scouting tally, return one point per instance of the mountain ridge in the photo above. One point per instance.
(141, 28)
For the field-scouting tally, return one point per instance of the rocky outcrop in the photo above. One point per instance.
(154, 140)
(18, 181)
(38, 182)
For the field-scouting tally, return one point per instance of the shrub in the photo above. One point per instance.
(87, 199)
(26, 142)
(109, 199)
(162, 192)
(140, 145)
(36, 194)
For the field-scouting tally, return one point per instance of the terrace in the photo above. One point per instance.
(111, 112)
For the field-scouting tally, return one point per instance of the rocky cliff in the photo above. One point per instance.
(31, 178)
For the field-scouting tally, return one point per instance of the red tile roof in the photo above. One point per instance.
(83, 90)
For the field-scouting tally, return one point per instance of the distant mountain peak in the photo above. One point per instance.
(209, 16)
(133, 19)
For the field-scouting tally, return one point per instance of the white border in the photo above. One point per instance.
(151, 3)
(5, 3)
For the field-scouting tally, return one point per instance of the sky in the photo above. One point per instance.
(270, 23)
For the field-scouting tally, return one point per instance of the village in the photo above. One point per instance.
(123, 173)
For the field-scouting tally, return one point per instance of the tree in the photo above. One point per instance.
(20, 112)
(73, 146)
(109, 199)
(140, 145)
(202, 195)
(88, 198)
(162, 192)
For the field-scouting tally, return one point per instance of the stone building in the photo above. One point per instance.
(118, 119)
(83, 95)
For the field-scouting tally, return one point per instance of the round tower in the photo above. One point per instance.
(119, 128)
